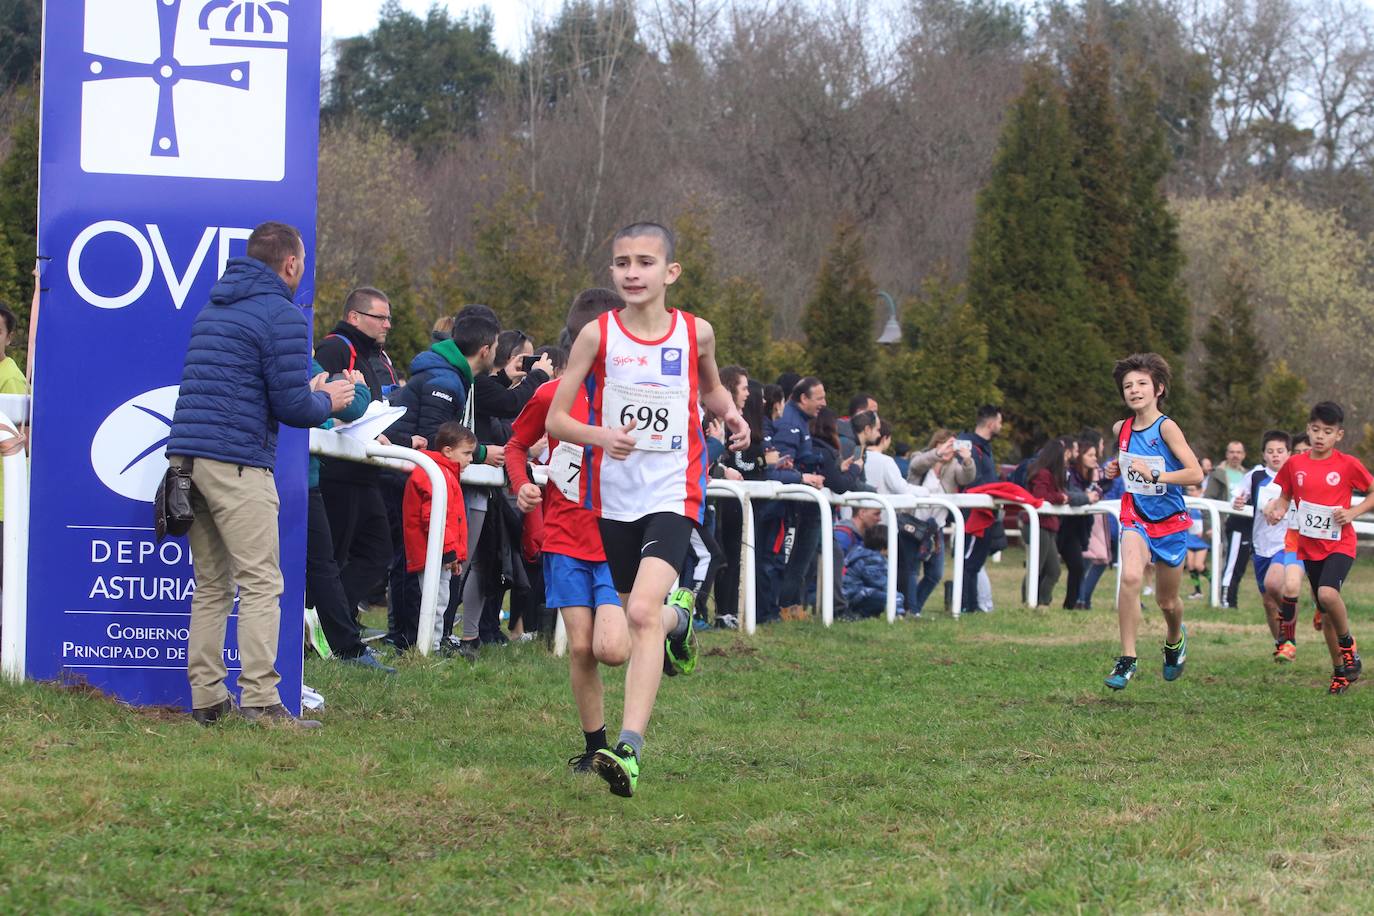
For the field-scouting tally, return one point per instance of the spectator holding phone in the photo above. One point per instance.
(945, 466)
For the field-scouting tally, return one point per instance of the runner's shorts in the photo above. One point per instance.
(665, 535)
(1170, 549)
(1262, 564)
(1328, 573)
(569, 582)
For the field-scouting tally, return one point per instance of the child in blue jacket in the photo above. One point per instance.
(865, 575)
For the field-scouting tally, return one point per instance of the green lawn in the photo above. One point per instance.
(936, 766)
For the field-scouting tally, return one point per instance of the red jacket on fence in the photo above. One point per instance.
(415, 512)
(979, 520)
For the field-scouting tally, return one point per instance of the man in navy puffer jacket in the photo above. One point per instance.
(247, 368)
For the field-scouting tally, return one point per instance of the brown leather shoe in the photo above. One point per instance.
(209, 715)
(793, 612)
(276, 714)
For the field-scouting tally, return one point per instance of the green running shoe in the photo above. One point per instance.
(1121, 674)
(680, 652)
(619, 767)
(683, 598)
(1175, 656)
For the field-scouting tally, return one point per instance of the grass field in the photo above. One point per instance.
(936, 766)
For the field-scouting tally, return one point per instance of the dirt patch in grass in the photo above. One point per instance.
(733, 650)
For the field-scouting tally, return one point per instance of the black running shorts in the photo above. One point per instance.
(1328, 573)
(665, 535)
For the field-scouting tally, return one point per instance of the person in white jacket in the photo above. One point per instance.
(883, 475)
(946, 466)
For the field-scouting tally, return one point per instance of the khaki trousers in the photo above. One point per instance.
(234, 542)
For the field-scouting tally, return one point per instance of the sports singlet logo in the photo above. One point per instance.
(671, 361)
(630, 360)
(1334, 478)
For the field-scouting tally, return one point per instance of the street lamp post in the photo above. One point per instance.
(892, 331)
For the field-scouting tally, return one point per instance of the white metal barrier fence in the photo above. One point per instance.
(14, 415)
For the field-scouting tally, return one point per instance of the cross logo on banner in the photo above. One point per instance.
(173, 92)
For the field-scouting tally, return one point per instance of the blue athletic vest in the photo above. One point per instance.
(1154, 510)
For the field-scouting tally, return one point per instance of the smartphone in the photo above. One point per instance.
(527, 363)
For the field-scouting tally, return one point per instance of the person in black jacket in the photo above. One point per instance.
(352, 492)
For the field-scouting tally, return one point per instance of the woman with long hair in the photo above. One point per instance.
(1075, 530)
(1045, 479)
(746, 465)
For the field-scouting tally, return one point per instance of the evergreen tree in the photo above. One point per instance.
(743, 325)
(1156, 260)
(1025, 282)
(939, 372)
(735, 306)
(1104, 229)
(517, 267)
(1283, 399)
(423, 79)
(695, 290)
(19, 227)
(1232, 406)
(838, 321)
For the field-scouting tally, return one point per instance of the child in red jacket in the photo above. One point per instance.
(454, 445)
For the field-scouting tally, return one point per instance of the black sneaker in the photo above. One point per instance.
(470, 649)
(495, 638)
(582, 763)
(209, 715)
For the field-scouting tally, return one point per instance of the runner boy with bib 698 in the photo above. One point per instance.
(645, 368)
(1322, 481)
(1156, 462)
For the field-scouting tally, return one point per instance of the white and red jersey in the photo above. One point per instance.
(569, 528)
(654, 384)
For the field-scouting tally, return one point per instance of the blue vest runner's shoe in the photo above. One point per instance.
(1175, 656)
(1121, 675)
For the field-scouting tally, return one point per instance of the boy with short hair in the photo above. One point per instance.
(1271, 556)
(1156, 463)
(454, 445)
(645, 368)
(1293, 575)
(577, 579)
(1322, 480)
(865, 575)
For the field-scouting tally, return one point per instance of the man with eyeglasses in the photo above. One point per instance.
(353, 492)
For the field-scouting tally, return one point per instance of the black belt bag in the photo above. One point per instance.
(172, 505)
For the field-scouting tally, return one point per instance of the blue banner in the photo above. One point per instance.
(170, 128)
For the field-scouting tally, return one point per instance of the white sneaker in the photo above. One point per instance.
(1148, 591)
(525, 637)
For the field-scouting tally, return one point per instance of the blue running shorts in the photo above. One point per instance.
(577, 583)
(1262, 564)
(1171, 549)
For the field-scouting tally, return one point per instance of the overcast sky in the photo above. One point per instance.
(346, 18)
